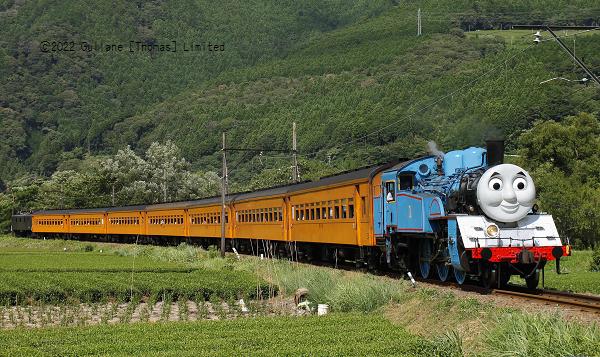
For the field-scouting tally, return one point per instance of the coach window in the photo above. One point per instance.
(337, 209)
(351, 208)
(344, 208)
(405, 182)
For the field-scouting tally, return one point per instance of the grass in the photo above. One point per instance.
(538, 335)
(471, 327)
(576, 275)
(336, 334)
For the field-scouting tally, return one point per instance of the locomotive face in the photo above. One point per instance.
(506, 193)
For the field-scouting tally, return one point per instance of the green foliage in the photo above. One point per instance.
(56, 277)
(346, 293)
(67, 101)
(340, 69)
(86, 286)
(563, 159)
(595, 263)
(161, 175)
(333, 335)
(539, 335)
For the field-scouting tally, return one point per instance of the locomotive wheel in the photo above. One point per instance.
(443, 271)
(425, 257)
(460, 276)
(533, 280)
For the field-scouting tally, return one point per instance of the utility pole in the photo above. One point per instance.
(295, 154)
(223, 188)
(419, 22)
(164, 184)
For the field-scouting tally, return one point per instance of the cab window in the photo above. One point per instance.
(390, 191)
(405, 182)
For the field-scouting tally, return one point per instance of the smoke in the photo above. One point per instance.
(433, 150)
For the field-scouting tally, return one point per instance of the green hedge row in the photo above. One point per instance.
(48, 287)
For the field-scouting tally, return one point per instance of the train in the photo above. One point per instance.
(461, 215)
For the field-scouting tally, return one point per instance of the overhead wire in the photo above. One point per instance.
(571, 34)
(422, 109)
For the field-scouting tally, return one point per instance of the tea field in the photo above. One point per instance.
(80, 273)
(337, 334)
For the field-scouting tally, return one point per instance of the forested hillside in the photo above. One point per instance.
(353, 75)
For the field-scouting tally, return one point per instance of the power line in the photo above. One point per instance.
(422, 109)
(571, 34)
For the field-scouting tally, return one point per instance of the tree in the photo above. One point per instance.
(564, 160)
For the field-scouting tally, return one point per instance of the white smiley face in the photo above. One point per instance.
(506, 193)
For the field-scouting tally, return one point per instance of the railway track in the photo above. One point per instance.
(582, 302)
(587, 303)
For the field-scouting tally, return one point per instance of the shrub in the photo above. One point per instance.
(595, 263)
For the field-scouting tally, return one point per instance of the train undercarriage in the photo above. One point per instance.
(425, 257)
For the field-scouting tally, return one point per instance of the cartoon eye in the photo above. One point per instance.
(520, 184)
(495, 184)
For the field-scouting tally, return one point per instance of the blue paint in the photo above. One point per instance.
(453, 245)
(409, 212)
(421, 194)
(378, 216)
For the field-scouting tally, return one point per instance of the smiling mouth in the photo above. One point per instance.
(508, 208)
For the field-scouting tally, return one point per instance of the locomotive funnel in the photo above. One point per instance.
(495, 152)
